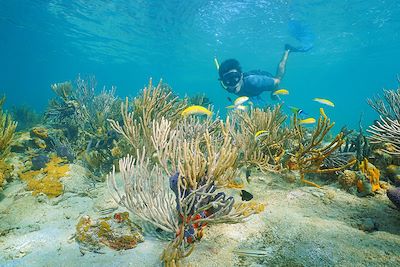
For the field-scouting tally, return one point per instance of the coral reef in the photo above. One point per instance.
(7, 130)
(263, 152)
(393, 173)
(26, 117)
(46, 180)
(394, 196)
(80, 114)
(199, 100)
(39, 162)
(153, 103)
(387, 129)
(117, 232)
(310, 154)
(348, 179)
(194, 168)
(372, 173)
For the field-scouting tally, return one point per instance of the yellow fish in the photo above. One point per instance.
(240, 100)
(281, 92)
(196, 110)
(260, 134)
(307, 121)
(324, 101)
(238, 107)
(241, 107)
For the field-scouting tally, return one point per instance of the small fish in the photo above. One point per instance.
(253, 252)
(240, 100)
(238, 107)
(229, 99)
(196, 110)
(281, 92)
(246, 196)
(324, 101)
(307, 121)
(297, 110)
(241, 107)
(260, 134)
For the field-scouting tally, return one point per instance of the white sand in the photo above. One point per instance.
(301, 226)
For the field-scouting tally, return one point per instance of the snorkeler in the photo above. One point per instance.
(255, 82)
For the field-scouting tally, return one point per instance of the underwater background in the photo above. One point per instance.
(123, 43)
(115, 147)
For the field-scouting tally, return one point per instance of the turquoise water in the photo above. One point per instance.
(356, 48)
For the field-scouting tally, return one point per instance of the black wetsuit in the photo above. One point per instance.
(256, 82)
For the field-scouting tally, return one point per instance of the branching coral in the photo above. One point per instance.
(81, 109)
(82, 115)
(197, 164)
(387, 106)
(152, 104)
(182, 211)
(204, 155)
(7, 130)
(145, 192)
(264, 151)
(310, 154)
(387, 129)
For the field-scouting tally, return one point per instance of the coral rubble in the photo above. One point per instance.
(117, 232)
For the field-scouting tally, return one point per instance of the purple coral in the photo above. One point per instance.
(394, 196)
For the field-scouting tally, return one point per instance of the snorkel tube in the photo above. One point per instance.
(217, 67)
(216, 63)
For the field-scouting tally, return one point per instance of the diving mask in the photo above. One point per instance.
(231, 78)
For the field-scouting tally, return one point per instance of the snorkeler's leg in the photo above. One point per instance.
(280, 72)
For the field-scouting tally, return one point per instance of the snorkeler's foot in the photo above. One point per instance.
(297, 49)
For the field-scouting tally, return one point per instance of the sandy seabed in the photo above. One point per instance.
(301, 226)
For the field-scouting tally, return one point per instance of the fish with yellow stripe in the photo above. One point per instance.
(324, 101)
(281, 92)
(196, 110)
(307, 121)
(260, 134)
(238, 103)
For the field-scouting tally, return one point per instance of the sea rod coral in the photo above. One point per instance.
(153, 103)
(180, 193)
(7, 130)
(387, 129)
(265, 151)
(310, 154)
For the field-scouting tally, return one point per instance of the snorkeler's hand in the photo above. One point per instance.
(276, 81)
